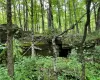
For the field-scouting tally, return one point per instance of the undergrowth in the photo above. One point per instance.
(41, 68)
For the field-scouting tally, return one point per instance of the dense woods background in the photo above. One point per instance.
(49, 39)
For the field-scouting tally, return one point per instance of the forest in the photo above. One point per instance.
(49, 39)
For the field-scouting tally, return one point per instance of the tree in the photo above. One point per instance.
(14, 5)
(59, 20)
(19, 14)
(42, 12)
(98, 19)
(26, 15)
(74, 6)
(65, 14)
(10, 61)
(24, 18)
(33, 50)
(87, 24)
(95, 15)
(50, 16)
(88, 3)
(70, 13)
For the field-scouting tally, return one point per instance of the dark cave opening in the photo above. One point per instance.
(64, 49)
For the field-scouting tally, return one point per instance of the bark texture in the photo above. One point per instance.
(10, 61)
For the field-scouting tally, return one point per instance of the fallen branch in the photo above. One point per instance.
(30, 48)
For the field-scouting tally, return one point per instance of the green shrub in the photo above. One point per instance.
(3, 73)
(27, 68)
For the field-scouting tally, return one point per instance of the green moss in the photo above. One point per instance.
(29, 44)
(26, 44)
(40, 43)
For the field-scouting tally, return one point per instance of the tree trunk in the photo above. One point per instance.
(3, 14)
(56, 52)
(32, 24)
(50, 16)
(65, 14)
(98, 19)
(42, 12)
(95, 15)
(59, 20)
(35, 16)
(26, 21)
(10, 61)
(70, 16)
(38, 24)
(74, 6)
(83, 40)
(14, 5)
(19, 16)
(24, 15)
(88, 3)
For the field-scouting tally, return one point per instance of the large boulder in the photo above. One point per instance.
(15, 30)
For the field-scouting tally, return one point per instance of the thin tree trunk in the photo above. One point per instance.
(24, 15)
(3, 14)
(50, 16)
(35, 13)
(26, 21)
(10, 61)
(65, 14)
(88, 2)
(14, 5)
(19, 16)
(32, 23)
(55, 48)
(37, 20)
(70, 18)
(74, 6)
(38, 26)
(83, 40)
(98, 19)
(95, 15)
(58, 6)
(42, 12)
